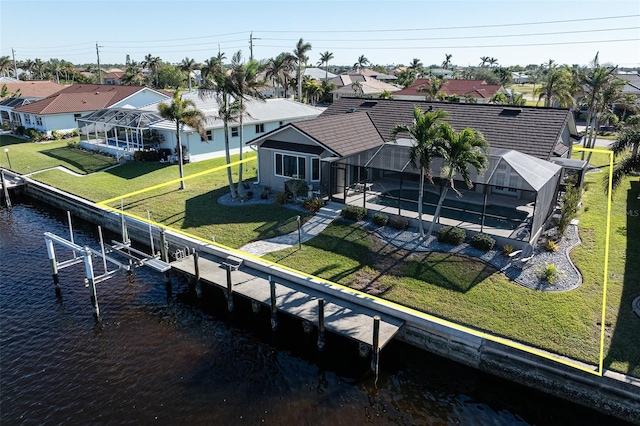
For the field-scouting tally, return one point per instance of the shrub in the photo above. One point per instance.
(56, 135)
(380, 219)
(280, 198)
(296, 187)
(34, 135)
(569, 207)
(266, 191)
(20, 130)
(507, 250)
(550, 273)
(72, 134)
(73, 144)
(398, 222)
(313, 204)
(151, 156)
(482, 242)
(6, 125)
(451, 235)
(354, 213)
(550, 245)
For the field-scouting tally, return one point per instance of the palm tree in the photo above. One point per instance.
(152, 63)
(385, 95)
(360, 63)
(517, 99)
(189, 65)
(212, 65)
(55, 67)
(628, 138)
(416, 66)
(324, 59)
(555, 88)
(5, 65)
(278, 70)
(39, 67)
(498, 98)
(447, 61)
(484, 60)
(492, 62)
(459, 150)
(433, 89)
(311, 89)
(183, 111)
(220, 86)
(425, 132)
(132, 76)
(246, 84)
(357, 88)
(300, 52)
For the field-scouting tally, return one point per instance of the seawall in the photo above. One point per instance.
(613, 393)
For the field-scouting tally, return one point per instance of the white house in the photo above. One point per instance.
(61, 110)
(123, 131)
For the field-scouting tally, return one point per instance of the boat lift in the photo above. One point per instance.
(108, 253)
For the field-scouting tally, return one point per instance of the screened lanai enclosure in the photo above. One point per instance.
(119, 131)
(512, 199)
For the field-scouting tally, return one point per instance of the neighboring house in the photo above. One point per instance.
(61, 110)
(360, 85)
(366, 72)
(317, 74)
(129, 129)
(32, 88)
(479, 89)
(347, 155)
(633, 84)
(520, 77)
(439, 72)
(113, 77)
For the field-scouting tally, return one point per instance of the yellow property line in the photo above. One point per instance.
(393, 305)
(174, 181)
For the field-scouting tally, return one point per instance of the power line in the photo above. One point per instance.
(176, 39)
(455, 28)
(466, 47)
(463, 37)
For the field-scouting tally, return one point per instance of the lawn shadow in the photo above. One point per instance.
(626, 330)
(83, 161)
(454, 272)
(134, 169)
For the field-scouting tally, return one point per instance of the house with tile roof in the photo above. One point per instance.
(347, 155)
(124, 131)
(113, 77)
(360, 85)
(32, 88)
(61, 110)
(480, 90)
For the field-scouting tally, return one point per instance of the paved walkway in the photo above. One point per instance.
(310, 229)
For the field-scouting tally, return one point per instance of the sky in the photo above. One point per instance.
(386, 32)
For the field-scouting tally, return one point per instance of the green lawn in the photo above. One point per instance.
(458, 288)
(27, 157)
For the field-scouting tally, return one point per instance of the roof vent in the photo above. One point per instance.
(350, 110)
(509, 110)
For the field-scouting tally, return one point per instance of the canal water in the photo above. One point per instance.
(173, 359)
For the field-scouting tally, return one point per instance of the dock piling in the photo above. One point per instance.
(375, 350)
(7, 200)
(229, 290)
(320, 324)
(164, 246)
(274, 311)
(54, 264)
(196, 265)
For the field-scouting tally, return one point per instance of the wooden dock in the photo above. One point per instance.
(340, 316)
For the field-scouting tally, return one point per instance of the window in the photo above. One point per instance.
(315, 169)
(38, 120)
(290, 166)
(260, 128)
(234, 132)
(27, 119)
(209, 136)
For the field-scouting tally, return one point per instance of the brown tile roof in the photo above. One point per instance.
(343, 134)
(81, 97)
(116, 75)
(34, 89)
(530, 130)
(478, 88)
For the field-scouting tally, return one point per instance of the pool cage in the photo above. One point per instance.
(120, 130)
(513, 198)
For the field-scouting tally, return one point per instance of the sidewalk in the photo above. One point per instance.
(310, 229)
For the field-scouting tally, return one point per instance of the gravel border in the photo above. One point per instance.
(568, 279)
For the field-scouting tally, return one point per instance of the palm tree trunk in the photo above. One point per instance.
(420, 201)
(436, 215)
(595, 135)
(232, 188)
(180, 165)
(299, 83)
(241, 136)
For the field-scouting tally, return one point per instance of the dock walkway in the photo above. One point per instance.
(340, 316)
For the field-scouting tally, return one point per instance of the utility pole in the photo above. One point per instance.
(99, 70)
(15, 67)
(251, 39)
